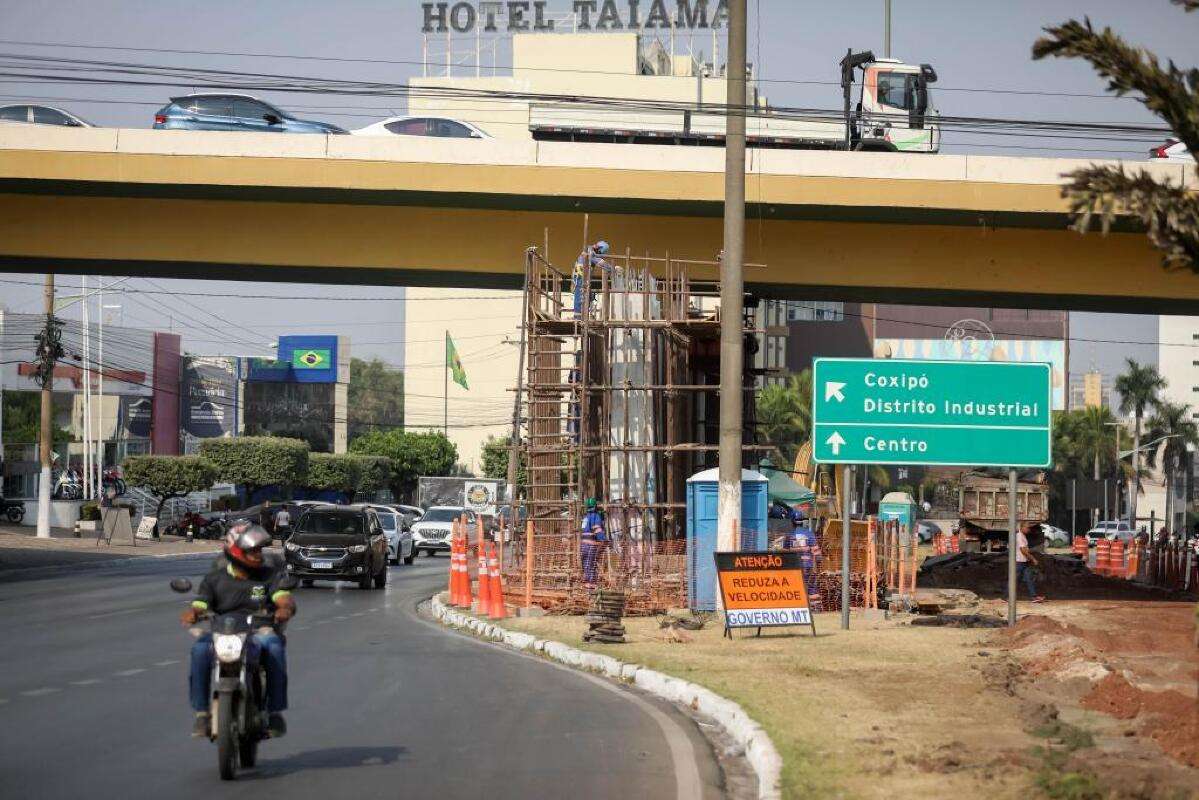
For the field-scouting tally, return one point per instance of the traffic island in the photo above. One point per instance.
(883, 710)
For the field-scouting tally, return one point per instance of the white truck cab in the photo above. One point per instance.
(894, 111)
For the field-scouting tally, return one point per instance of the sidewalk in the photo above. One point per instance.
(21, 549)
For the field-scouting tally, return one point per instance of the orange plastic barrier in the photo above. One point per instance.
(1079, 546)
(1134, 561)
(956, 542)
(1115, 562)
(1103, 549)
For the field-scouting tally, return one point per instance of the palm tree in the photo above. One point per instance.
(1174, 424)
(784, 413)
(1138, 388)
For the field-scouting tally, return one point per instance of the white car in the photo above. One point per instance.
(431, 533)
(42, 115)
(440, 127)
(400, 544)
(1055, 536)
(1110, 530)
(1172, 150)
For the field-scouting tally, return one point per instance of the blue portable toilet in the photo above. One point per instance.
(703, 491)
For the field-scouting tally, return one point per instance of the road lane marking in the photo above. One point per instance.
(166, 663)
(125, 673)
(113, 613)
(86, 682)
(42, 691)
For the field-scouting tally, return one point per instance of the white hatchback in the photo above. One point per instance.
(400, 544)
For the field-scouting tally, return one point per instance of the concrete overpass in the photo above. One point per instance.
(407, 211)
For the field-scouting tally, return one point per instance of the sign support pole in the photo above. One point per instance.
(846, 488)
(1011, 548)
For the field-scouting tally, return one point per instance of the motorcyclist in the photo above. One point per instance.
(248, 583)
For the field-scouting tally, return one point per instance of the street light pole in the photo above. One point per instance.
(732, 299)
(46, 440)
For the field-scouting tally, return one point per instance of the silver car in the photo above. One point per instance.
(399, 535)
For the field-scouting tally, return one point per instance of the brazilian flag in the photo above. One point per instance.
(311, 359)
(454, 363)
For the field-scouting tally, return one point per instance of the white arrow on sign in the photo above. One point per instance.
(835, 441)
(833, 389)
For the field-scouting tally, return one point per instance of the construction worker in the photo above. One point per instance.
(802, 540)
(582, 293)
(593, 539)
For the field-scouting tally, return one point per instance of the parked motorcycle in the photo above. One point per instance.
(205, 527)
(239, 715)
(13, 510)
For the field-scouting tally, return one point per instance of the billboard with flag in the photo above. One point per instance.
(454, 363)
(310, 359)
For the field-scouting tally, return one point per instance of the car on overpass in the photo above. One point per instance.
(1172, 150)
(233, 112)
(439, 127)
(42, 115)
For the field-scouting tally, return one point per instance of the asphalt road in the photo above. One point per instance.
(383, 703)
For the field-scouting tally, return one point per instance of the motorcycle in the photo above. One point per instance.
(112, 478)
(68, 486)
(238, 710)
(205, 528)
(13, 510)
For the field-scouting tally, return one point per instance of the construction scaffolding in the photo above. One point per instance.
(620, 403)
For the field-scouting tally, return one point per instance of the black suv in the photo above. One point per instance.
(338, 543)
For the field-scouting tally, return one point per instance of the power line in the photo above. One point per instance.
(210, 78)
(403, 62)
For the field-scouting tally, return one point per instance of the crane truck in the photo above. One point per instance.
(893, 113)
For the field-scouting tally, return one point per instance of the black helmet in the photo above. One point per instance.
(244, 543)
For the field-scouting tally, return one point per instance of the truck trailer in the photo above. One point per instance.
(893, 113)
(983, 503)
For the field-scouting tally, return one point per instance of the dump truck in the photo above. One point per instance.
(893, 112)
(983, 503)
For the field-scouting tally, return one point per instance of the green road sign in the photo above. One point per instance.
(906, 411)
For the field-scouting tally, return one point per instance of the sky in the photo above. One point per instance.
(976, 48)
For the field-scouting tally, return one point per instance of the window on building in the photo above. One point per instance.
(815, 311)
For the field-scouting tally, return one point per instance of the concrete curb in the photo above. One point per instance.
(759, 750)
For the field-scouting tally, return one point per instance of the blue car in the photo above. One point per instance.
(232, 112)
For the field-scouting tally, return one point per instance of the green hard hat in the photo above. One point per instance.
(591, 502)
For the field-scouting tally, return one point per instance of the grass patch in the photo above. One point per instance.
(880, 711)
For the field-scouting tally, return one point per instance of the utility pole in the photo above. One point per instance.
(49, 349)
(886, 28)
(732, 346)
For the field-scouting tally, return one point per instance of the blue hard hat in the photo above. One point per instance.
(600, 247)
(796, 515)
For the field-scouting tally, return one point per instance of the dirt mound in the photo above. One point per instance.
(1170, 718)
(1061, 577)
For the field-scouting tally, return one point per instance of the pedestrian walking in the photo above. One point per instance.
(1026, 561)
(592, 542)
(283, 524)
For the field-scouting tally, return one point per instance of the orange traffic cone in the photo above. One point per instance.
(461, 579)
(453, 587)
(496, 609)
(1102, 556)
(484, 590)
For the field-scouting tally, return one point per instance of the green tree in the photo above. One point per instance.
(257, 461)
(376, 472)
(1169, 211)
(1173, 423)
(412, 454)
(329, 471)
(167, 477)
(784, 413)
(495, 460)
(22, 419)
(1138, 387)
(376, 397)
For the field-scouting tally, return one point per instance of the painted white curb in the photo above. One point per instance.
(759, 750)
